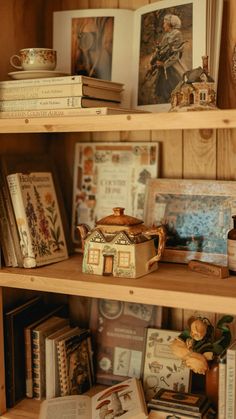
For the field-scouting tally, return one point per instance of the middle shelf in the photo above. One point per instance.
(172, 285)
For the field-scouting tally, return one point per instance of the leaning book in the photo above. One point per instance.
(125, 399)
(36, 209)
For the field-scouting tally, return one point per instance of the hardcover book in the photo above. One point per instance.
(107, 175)
(39, 334)
(75, 362)
(38, 218)
(230, 381)
(165, 39)
(125, 400)
(15, 320)
(118, 329)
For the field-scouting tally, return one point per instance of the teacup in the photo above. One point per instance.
(34, 59)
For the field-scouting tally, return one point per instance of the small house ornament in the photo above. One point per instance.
(122, 246)
(195, 92)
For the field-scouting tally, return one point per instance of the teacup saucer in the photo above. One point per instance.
(35, 74)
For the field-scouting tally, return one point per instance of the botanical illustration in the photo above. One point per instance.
(165, 52)
(91, 46)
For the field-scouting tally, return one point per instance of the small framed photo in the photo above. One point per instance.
(197, 215)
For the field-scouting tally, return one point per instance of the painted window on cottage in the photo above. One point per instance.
(124, 259)
(93, 256)
(203, 95)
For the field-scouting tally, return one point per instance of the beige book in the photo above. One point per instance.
(38, 218)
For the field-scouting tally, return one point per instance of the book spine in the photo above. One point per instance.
(28, 363)
(29, 260)
(32, 104)
(36, 92)
(222, 389)
(230, 384)
(50, 369)
(47, 113)
(36, 365)
(62, 368)
(6, 237)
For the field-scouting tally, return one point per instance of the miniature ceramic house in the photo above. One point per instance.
(196, 91)
(122, 246)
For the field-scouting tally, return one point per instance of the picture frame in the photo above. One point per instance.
(72, 41)
(107, 175)
(161, 369)
(197, 215)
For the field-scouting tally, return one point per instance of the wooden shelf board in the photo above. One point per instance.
(25, 409)
(172, 285)
(152, 121)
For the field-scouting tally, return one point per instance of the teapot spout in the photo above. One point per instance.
(83, 231)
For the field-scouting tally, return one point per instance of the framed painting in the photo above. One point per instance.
(197, 215)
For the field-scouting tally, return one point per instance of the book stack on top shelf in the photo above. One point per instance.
(60, 96)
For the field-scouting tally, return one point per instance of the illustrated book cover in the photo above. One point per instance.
(165, 39)
(123, 400)
(75, 362)
(107, 175)
(161, 369)
(38, 218)
(118, 329)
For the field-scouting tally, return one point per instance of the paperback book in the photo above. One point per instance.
(125, 400)
(38, 218)
(159, 41)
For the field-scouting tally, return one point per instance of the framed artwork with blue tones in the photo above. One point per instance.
(197, 215)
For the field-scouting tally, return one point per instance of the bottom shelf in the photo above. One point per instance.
(25, 409)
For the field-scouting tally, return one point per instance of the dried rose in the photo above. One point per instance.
(198, 329)
(197, 363)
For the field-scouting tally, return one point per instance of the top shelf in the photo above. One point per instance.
(216, 119)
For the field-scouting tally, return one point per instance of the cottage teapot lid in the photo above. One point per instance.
(118, 218)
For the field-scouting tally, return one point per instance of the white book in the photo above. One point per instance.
(130, 42)
(52, 374)
(222, 386)
(230, 381)
(54, 103)
(38, 218)
(51, 113)
(59, 90)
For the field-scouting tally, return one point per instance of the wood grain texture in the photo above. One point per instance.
(226, 154)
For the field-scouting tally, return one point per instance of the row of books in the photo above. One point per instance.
(46, 356)
(33, 225)
(60, 96)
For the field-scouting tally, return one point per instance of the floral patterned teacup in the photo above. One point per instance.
(34, 59)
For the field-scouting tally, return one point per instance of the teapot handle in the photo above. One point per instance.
(161, 233)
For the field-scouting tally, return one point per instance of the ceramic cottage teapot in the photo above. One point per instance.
(121, 245)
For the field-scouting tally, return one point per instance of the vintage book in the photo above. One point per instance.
(230, 381)
(50, 113)
(68, 80)
(194, 29)
(51, 359)
(27, 163)
(44, 313)
(6, 239)
(179, 403)
(15, 320)
(118, 329)
(160, 367)
(60, 90)
(210, 413)
(107, 175)
(70, 102)
(39, 334)
(222, 386)
(125, 400)
(75, 362)
(38, 218)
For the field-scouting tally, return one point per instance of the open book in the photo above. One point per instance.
(148, 49)
(124, 399)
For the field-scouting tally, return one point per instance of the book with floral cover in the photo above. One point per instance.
(35, 204)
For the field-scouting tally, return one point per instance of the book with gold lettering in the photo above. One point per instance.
(37, 213)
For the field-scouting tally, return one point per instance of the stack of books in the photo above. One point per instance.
(59, 96)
